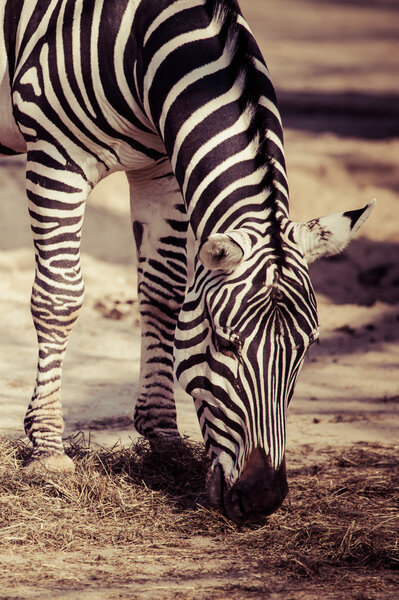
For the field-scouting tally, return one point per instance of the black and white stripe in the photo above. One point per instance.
(175, 93)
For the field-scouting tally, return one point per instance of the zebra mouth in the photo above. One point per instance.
(241, 508)
(257, 493)
(229, 503)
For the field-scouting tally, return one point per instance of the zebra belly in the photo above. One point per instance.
(11, 139)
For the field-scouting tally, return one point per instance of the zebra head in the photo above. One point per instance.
(246, 324)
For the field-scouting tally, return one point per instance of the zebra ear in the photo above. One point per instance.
(224, 251)
(330, 235)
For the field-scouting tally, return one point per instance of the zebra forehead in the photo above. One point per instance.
(240, 304)
(268, 276)
(252, 285)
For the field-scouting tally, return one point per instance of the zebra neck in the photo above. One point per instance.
(261, 212)
(206, 89)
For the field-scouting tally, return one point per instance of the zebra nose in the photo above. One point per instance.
(260, 490)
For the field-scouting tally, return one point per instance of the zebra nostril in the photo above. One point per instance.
(259, 491)
(243, 505)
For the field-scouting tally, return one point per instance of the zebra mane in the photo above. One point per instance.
(236, 37)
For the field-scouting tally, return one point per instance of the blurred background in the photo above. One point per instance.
(335, 67)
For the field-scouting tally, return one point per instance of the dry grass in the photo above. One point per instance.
(135, 524)
(342, 511)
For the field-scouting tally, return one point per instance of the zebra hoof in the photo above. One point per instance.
(161, 440)
(49, 464)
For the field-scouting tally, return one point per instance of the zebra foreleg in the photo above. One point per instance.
(160, 227)
(56, 207)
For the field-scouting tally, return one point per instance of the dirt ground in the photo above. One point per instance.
(335, 67)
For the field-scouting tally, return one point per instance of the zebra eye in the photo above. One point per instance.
(229, 347)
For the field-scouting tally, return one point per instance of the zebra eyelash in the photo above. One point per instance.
(227, 344)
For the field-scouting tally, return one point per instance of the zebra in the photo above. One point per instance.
(175, 93)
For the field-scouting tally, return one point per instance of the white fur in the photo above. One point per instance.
(234, 244)
(328, 235)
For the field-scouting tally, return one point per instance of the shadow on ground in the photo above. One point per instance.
(367, 272)
(375, 4)
(365, 116)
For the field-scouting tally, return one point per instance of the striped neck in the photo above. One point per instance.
(206, 89)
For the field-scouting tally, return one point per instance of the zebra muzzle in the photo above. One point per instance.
(259, 491)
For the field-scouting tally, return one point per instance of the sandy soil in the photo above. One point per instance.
(335, 68)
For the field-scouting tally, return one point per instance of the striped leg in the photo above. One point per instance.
(56, 207)
(160, 228)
